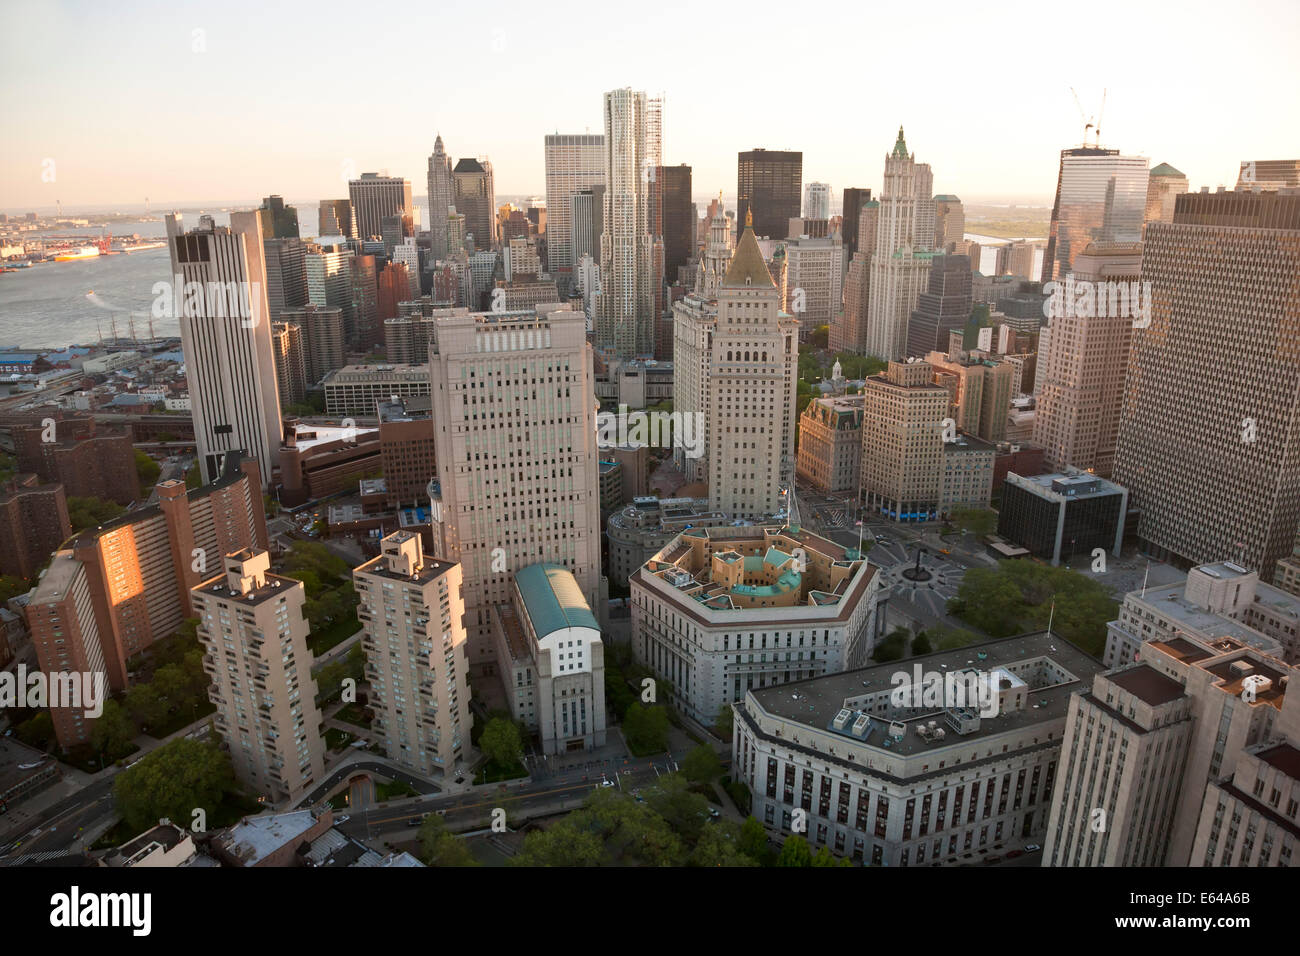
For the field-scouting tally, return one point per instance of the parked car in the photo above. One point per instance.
(1032, 848)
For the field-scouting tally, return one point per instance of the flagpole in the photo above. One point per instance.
(1051, 615)
(1146, 575)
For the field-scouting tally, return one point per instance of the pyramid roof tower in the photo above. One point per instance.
(747, 265)
(900, 147)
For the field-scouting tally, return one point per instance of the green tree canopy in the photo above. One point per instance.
(702, 765)
(172, 782)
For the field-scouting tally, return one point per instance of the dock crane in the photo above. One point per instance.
(1088, 123)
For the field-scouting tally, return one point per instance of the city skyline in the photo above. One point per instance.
(109, 157)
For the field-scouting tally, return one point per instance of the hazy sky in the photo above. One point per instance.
(118, 101)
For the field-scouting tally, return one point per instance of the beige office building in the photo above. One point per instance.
(830, 443)
(1080, 385)
(751, 384)
(980, 392)
(412, 610)
(515, 435)
(1254, 818)
(354, 389)
(902, 442)
(254, 636)
(290, 365)
(1163, 188)
(815, 278)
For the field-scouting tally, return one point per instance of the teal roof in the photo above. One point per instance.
(776, 557)
(1164, 169)
(900, 147)
(553, 599)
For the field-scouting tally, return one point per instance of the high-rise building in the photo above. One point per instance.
(817, 201)
(322, 340)
(586, 212)
(1080, 385)
(575, 163)
(265, 695)
(814, 280)
(902, 442)
(474, 197)
(336, 218)
(442, 196)
(949, 224)
(625, 313)
(330, 277)
(365, 330)
(1165, 185)
(672, 216)
(412, 610)
(768, 188)
(290, 363)
(374, 197)
(226, 339)
(89, 459)
(1100, 197)
(33, 522)
(854, 200)
(751, 385)
(1212, 396)
(517, 481)
(944, 307)
(286, 275)
(278, 220)
(1269, 174)
(901, 259)
(406, 446)
(830, 443)
(848, 329)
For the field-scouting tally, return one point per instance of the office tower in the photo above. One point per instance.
(408, 254)
(625, 313)
(286, 274)
(553, 660)
(817, 201)
(575, 163)
(67, 641)
(412, 610)
(901, 259)
(33, 522)
(586, 211)
(89, 459)
(1062, 515)
(455, 233)
(830, 443)
(1100, 197)
(335, 218)
(1165, 185)
(1015, 259)
(354, 389)
(1264, 772)
(393, 230)
(751, 390)
(768, 186)
(290, 363)
(513, 398)
(949, 224)
(980, 392)
(226, 339)
(902, 442)
(947, 789)
(442, 192)
(394, 289)
(330, 282)
(278, 220)
(1209, 441)
(1269, 174)
(521, 259)
(322, 340)
(264, 692)
(848, 328)
(854, 200)
(366, 330)
(815, 281)
(944, 307)
(672, 216)
(374, 197)
(406, 447)
(474, 197)
(1189, 721)
(1080, 385)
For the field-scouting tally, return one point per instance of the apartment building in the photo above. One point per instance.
(33, 522)
(254, 636)
(406, 447)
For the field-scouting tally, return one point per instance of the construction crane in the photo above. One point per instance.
(1088, 123)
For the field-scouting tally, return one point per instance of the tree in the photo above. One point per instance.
(753, 840)
(501, 742)
(824, 857)
(86, 513)
(702, 765)
(193, 477)
(564, 843)
(113, 732)
(819, 337)
(11, 586)
(719, 845)
(646, 728)
(37, 732)
(921, 644)
(440, 847)
(147, 469)
(795, 851)
(147, 707)
(724, 726)
(892, 646)
(173, 781)
(684, 811)
(978, 521)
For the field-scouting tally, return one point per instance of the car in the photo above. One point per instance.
(1015, 853)
(414, 821)
(605, 782)
(1032, 848)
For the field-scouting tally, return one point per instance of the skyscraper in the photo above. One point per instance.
(902, 442)
(1209, 441)
(586, 211)
(286, 274)
(1165, 185)
(335, 218)
(767, 185)
(517, 479)
(474, 197)
(751, 385)
(1100, 197)
(442, 193)
(278, 220)
(817, 201)
(854, 200)
(575, 163)
(374, 197)
(672, 216)
(265, 695)
(226, 338)
(815, 280)
(625, 311)
(901, 259)
(949, 224)
(1080, 386)
(944, 307)
(321, 331)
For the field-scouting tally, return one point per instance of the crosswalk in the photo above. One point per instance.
(42, 857)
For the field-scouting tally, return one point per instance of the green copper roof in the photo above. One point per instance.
(553, 599)
(1164, 169)
(900, 147)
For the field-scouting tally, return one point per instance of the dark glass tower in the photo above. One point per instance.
(768, 184)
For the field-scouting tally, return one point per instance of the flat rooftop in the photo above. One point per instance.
(254, 838)
(1284, 757)
(1148, 685)
(275, 586)
(18, 762)
(816, 702)
(1170, 602)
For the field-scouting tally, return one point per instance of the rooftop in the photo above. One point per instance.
(1148, 685)
(553, 599)
(253, 839)
(1284, 757)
